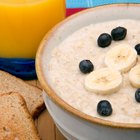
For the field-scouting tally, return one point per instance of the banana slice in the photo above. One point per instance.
(122, 57)
(103, 81)
(134, 76)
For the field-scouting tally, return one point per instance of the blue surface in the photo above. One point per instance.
(20, 67)
(93, 3)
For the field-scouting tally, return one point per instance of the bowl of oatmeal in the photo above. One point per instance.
(89, 68)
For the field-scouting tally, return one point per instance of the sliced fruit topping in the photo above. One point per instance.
(86, 66)
(104, 40)
(137, 95)
(134, 76)
(103, 81)
(137, 47)
(122, 57)
(119, 33)
(104, 108)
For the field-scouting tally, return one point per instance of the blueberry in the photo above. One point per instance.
(118, 33)
(104, 40)
(104, 108)
(137, 95)
(86, 66)
(137, 48)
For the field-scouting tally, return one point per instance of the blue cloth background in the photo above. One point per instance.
(93, 3)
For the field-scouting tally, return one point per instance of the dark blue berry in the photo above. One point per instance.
(137, 95)
(104, 40)
(137, 48)
(86, 66)
(104, 108)
(118, 33)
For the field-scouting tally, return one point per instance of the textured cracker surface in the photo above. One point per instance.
(15, 121)
(31, 94)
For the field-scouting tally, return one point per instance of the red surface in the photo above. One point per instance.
(73, 11)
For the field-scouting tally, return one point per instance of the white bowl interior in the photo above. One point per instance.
(91, 16)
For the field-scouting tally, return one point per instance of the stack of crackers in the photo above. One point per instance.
(20, 104)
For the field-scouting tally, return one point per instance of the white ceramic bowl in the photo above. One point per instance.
(74, 124)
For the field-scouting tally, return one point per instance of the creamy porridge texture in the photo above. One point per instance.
(68, 81)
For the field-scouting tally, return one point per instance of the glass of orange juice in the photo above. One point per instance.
(23, 25)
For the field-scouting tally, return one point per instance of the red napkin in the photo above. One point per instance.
(71, 11)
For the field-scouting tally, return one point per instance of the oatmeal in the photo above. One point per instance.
(69, 82)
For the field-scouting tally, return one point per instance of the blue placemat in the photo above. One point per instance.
(93, 3)
(21, 67)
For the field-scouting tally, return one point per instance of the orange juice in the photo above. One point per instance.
(23, 23)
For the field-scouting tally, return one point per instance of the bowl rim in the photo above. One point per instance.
(51, 93)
